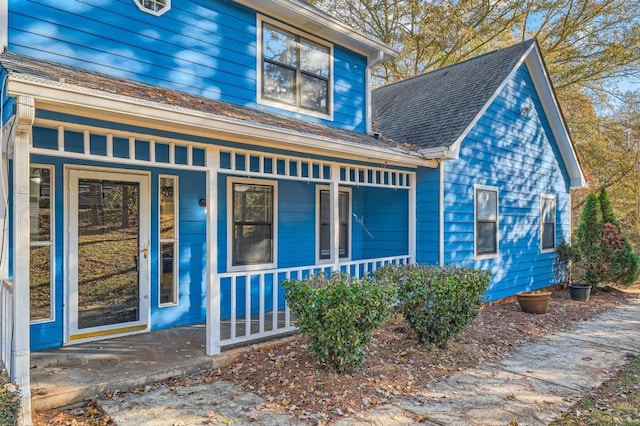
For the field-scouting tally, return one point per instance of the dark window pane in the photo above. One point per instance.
(314, 93)
(548, 236)
(252, 203)
(167, 287)
(167, 208)
(279, 83)
(486, 242)
(548, 210)
(40, 204)
(279, 46)
(252, 244)
(314, 58)
(325, 238)
(344, 240)
(40, 282)
(486, 205)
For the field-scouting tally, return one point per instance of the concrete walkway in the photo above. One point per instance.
(533, 386)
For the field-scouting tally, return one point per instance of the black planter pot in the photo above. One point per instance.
(580, 292)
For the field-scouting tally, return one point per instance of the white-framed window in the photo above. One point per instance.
(253, 223)
(154, 7)
(548, 222)
(41, 242)
(168, 241)
(295, 70)
(486, 221)
(323, 224)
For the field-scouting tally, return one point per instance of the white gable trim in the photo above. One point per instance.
(71, 99)
(314, 21)
(551, 108)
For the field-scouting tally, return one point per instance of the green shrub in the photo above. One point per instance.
(339, 315)
(437, 302)
(9, 402)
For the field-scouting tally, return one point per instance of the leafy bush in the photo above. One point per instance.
(599, 251)
(437, 302)
(9, 402)
(339, 315)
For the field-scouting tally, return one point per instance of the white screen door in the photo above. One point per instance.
(108, 254)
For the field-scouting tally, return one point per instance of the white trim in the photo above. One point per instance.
(254, 267)
(158, 12)
(175, 240)
(349, 192)
(21, 347)
(313, 20)
(544, 88)
(4, 25)
(91, 103)
(51, 243)
(441, 212)
(213, 302)
(261, 19)
(412, 220)
(72, 174)
(495, 189)
(555, 222)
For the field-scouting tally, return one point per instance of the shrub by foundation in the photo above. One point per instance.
(339, 314)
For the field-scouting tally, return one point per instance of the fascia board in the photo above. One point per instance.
(552, 110)
(72, 99)
(314, 21)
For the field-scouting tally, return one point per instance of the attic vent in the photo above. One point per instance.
(154, 7)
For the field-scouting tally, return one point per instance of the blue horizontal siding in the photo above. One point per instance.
(428, 216)
(206, 48)
(518, 155)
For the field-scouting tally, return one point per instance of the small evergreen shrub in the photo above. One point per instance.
(437, 302)
(339, 315)
(9, 402)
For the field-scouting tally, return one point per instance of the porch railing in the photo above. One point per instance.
(6, 323)
(253, 306)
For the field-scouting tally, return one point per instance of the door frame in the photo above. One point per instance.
(72, 334)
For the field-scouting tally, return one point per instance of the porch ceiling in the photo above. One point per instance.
(72, 90)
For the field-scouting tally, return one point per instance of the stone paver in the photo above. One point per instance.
(534, 386)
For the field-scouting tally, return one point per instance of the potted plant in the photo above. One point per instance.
(577, 270)
(534, 302)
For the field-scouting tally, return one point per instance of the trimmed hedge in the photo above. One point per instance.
(437, 302)
(339, 315)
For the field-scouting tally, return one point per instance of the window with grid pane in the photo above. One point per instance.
(295, 70)
(486, 221)
(325, 224)
(154, 7)
(548, 222)
(252, 224)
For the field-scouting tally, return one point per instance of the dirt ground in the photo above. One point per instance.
(289, 378)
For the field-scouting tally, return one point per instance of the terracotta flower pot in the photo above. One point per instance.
(534, 303)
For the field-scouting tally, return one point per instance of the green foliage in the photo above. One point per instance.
(9, 402)
(607, 209)
(339, 315)
(600, 251)
(437, 302)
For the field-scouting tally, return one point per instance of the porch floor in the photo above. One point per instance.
(68, 375)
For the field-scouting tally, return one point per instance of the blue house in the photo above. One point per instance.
(170, 163)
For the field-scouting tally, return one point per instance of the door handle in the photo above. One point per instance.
(145, 250)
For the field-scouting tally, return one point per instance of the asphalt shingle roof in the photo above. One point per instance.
(58, 73)
(433, 109)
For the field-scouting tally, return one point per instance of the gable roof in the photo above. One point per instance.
(58, 86)
(435, 111)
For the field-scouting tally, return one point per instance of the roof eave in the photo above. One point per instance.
(72, 99)
(307, 17)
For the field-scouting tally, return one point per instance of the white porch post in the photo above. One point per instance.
(213, 286)
(334, 204)
(412, 218)
(25, 114)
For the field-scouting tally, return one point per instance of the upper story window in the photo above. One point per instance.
(295, 71)
(154, 7)
(486, 218)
